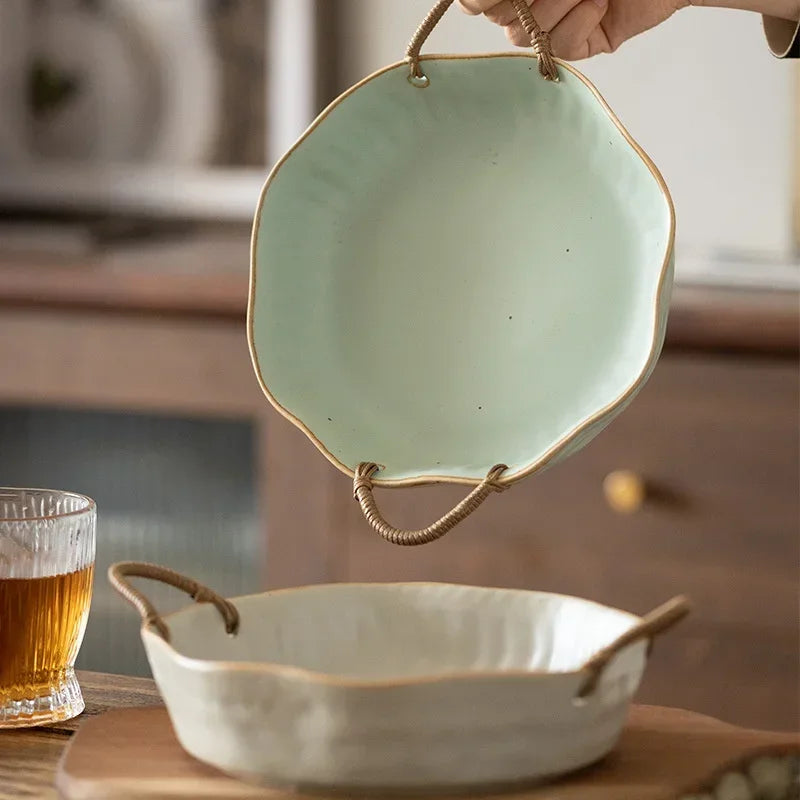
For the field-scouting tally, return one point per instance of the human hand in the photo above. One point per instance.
(583, 28)
(579, 28)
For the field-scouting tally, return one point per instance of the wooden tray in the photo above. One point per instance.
(132, 754)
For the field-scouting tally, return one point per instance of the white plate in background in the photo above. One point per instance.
(149, 84)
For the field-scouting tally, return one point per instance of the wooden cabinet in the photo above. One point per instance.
(713, 436)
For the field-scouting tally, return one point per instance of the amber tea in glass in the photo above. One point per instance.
(47, 546)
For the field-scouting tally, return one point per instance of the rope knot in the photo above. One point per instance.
(415, 70)
(540, 40)
(492, 480)
(363, 477)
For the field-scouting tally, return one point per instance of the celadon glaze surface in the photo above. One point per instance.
(453, 277)
(395, 686)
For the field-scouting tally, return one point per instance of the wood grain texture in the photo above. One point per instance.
(29, 756)
(661, 752)
(103, 692)
(104, 361)
(717, 440)
(92, 288)
(203, 276)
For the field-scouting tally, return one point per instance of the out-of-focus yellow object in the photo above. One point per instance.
(625, 491)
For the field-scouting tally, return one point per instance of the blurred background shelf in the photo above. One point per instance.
(206, 275)
(189, 274)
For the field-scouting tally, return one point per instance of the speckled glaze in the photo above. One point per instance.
(395, 686)
(451, 277)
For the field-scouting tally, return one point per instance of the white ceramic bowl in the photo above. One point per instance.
(395, 686)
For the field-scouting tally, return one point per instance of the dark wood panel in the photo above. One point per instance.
(734, 320)
(301, 497)
(743, 674)
(718, 438)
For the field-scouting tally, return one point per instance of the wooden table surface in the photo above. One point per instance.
(29, 756)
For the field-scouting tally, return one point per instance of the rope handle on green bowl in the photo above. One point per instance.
(540, 41)
(651, 625)
(119, 572)
(362, 491)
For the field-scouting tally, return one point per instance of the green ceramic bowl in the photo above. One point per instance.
(448, 278)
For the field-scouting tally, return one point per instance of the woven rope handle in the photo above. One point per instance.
(540, 41)
(362, 490)
(119, 572)
(656, 622)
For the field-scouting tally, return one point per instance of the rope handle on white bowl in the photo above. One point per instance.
(119, 572)
(658, 621)
(540, 41)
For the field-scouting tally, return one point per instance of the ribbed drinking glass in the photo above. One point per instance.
(47, 549)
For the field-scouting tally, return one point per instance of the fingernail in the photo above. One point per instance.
(601, 3)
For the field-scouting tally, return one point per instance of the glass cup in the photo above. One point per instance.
(47, 545)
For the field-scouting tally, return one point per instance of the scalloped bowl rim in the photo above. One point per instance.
(319, 677)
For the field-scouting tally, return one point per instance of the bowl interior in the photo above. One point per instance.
(386, 631)
(458, 276)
